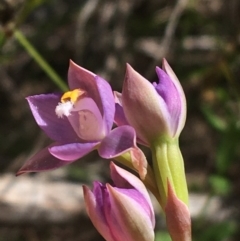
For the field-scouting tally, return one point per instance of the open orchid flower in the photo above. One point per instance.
(154, 110)
(123, 211)
(78, 122)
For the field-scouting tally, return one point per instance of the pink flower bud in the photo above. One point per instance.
(155, 110)
(123, 211)
(177, 217)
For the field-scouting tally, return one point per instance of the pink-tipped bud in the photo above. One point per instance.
(177, 217)
(155, 110)
(123, 211)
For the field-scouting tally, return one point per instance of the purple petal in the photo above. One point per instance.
(87, 121)
(79, 77)
(41, 161)
(117, 97)
(119, 117)
(43, 110)
(145, 110)
(137, 197)
(126, 180)
(182, 118)
(118, 232)
(131, 216)
(167, 90)
(97, 88)
(95, 210)
(119, 140)
(108, 102)
(72, 151)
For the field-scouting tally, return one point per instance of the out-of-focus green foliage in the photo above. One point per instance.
(220, 185)
(214, 232)
(162, 236)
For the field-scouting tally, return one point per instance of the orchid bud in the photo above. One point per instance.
(155, 110)
(177, 217)
(122, 211)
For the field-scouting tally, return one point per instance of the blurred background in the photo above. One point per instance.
(201, 41)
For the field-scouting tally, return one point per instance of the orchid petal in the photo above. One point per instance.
(139, 161)
(87, 121)
(96, 88)
(117, 97)
(43, 110)
(126, 180)
(126, 209)
(41, 161)
(72, 151)
(94, 205)
(119, 117)
(107, 100)
(182, 117)
(119, 140)
(78, 77)
(119, 232)
(167, 90)
(143, 107)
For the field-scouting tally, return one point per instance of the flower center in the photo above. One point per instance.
(83, 114)
(68, 100)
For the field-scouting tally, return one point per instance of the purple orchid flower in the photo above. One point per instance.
(123, 211)
(154, 110)
(78, 122)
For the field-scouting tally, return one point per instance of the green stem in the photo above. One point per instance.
(168, 166)
(161, 170)
(40, 60)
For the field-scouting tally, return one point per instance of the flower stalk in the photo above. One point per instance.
(40, 60)
(168, 166)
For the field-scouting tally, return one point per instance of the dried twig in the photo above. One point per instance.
(83, 17)
(166, 42)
